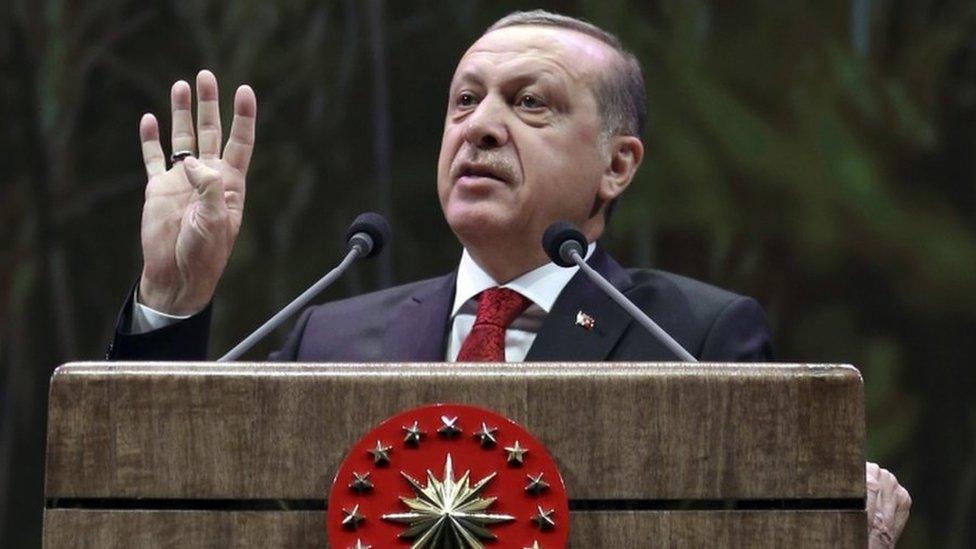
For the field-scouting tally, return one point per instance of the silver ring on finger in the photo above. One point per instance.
(178, 156)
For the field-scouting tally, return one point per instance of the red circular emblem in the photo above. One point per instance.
(448, 475)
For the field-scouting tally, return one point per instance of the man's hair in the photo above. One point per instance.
(620, 93)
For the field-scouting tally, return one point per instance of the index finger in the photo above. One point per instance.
(237, 153)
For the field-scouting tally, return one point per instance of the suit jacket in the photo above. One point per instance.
(410, 323)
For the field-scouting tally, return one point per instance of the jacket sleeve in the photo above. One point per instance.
(183, 340)
(740, 333)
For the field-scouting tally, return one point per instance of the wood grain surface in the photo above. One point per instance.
(70, 528)
(617, 431)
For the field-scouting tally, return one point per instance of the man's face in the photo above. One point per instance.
(522, 140)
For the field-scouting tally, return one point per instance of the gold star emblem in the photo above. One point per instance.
(543, 519)
(536, 484)
(381, 454)
(486, 435)
(361, 482)
(360, 545)
(413, 434)
(535, 545)
(516, 454)
(447, 512)
(449, 427)
(352, 519)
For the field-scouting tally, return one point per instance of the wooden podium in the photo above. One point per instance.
(653, 455)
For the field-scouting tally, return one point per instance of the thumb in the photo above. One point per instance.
(207, 183)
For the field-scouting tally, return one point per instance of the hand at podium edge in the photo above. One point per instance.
(888, 504)
(193, 210)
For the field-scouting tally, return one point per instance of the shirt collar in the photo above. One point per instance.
(542, 285)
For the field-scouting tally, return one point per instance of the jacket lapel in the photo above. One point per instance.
(560, 338)
(418, 329)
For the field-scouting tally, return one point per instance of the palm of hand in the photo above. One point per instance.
(182, 238)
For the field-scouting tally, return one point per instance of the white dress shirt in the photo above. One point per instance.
(146, 319)
(542, 286)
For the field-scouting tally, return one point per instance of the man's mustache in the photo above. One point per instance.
(497, 163)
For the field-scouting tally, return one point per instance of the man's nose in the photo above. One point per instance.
(485, 127)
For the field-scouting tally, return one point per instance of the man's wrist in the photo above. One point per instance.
(162, 299)
(146, 319)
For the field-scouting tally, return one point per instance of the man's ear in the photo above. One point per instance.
(626, 153)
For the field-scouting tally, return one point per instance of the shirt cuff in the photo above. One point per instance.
(146, 319)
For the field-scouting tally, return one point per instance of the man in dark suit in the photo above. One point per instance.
(544, 123)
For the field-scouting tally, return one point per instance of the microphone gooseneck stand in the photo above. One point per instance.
(564, 244)
(366, 237)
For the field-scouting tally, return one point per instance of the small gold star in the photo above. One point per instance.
(361, 483)
(536, 484)
(543, 519)
(486, 435)
(413, 434)
(516, 454)
(361, 545)
(535, 545)
(381, 454)
(353, 518)
(449, 427)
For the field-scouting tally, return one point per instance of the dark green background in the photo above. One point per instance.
(818, 155)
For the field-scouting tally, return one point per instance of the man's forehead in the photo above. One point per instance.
(579, 55)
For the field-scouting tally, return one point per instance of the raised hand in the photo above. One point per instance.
(193, 210)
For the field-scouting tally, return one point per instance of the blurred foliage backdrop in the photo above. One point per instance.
(818, 155)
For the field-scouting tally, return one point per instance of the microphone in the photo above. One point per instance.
(369, 232)
(366, 237)
(564, 244)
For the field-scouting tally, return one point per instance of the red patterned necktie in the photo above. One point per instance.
(497, 308)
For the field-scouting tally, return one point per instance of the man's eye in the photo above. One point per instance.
(466, 99)
(530, 102)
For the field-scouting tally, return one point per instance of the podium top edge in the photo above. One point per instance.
(541, 369)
